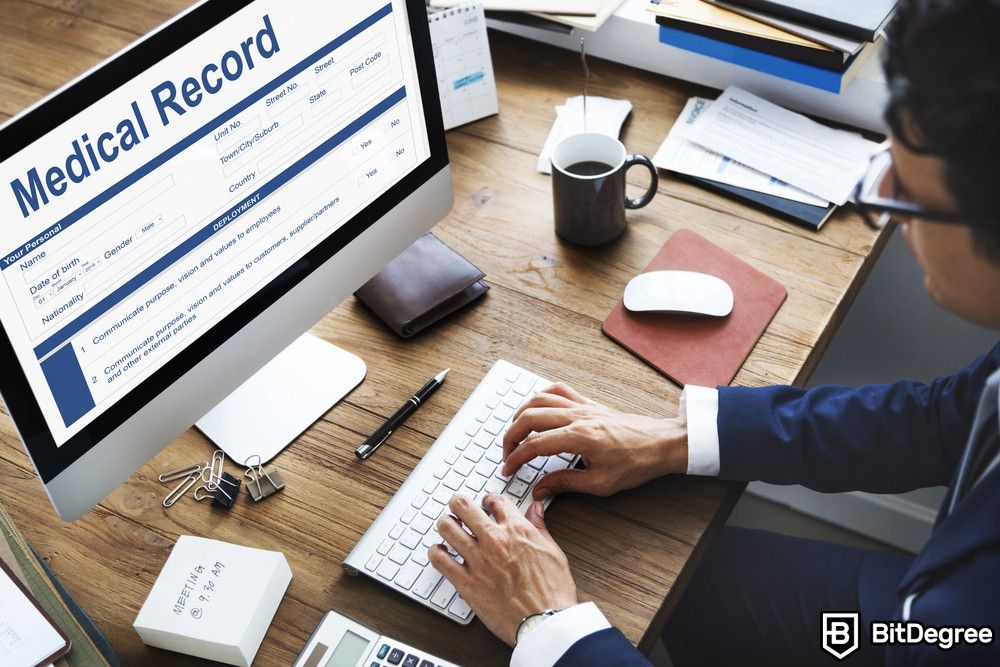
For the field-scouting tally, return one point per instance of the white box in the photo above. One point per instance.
(214, 600)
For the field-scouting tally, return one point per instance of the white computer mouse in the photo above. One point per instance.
(679, 292)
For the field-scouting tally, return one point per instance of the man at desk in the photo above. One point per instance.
(759, 596)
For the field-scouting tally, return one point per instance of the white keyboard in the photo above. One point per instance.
(465, 459)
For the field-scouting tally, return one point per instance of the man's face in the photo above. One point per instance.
(957, 277)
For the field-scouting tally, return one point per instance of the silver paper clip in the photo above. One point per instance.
(214, 471)
(181, 472)
(178, 491)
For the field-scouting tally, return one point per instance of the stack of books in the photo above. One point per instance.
(88, 647)
(819, 43)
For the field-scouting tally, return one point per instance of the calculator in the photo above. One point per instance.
(339, 641)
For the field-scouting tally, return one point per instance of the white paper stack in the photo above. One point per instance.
(214, 600)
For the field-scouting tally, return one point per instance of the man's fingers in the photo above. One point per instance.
(544, 400)
(555, 441)
(534, 419)
(566, 481)
(500, 507)
(442, 561)
(563, 389)
(453, 533)
(536, 515)
(467, 512)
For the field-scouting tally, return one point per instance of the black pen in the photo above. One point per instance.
(376, 439)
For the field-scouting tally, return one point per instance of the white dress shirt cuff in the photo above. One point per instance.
(546, 644)
(701, 405)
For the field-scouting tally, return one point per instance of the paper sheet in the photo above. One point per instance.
(822, 161)
(466, 85)
(679, 154)
(572, 7)
(604, 116)
(26, 637)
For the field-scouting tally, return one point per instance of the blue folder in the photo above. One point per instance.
(792, 70)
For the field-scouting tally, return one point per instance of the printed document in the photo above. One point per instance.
(603, 116)
(679, 154)
(26, 636)
(822, 161)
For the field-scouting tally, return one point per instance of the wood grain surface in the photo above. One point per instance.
(631, 553)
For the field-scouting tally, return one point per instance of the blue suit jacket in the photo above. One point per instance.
(883, 439)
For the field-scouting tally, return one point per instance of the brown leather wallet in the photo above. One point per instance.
(424, 284)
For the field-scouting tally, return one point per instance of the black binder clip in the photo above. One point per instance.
(226, 490)
(261, 483)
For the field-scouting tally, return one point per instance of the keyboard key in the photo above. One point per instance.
(408, 515)
(473, 428)
(486, 469)
(419, 556)
(513, 401)
(495, 454)
(461, 445)
(422, 524)
(495, 485)
(430, 485)
(411, 661)
(538, 462)
(442, 470)
(407, 575)
(504, 413)
(451, 458)
(566, 456)
(493, 401)
(526, 475)
(483, 415)
(426, 582)
(517, 488)
(433, 510)
(396, 531)
(443, 595)
(399, 554)
(460, 608)
(443, 495)
(473, 454)
(503, 388)
(512, 374)
(554, 463)
(476, 482)
(524, 386)
(395, 656)
(431, 538)
(466, 464)
(499, 475)
(383, 548)
(411, 538)
(453, 481)
(483, 440)
(419, 501)
(388, 570)
(373, 563)
(493, 426)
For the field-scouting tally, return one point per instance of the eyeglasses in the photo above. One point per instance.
(877, 194)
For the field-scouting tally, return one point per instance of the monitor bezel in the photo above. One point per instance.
(49, 459)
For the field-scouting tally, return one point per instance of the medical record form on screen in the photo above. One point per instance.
(133, 227)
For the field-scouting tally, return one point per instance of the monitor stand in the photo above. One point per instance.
(281, 400)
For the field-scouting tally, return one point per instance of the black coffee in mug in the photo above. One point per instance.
(589, 168)
(588, 188)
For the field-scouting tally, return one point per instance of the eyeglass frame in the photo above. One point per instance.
(887, 207)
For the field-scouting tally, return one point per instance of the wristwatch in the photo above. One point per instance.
(529, 623)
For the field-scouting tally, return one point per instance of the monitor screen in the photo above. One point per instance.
(187, 185)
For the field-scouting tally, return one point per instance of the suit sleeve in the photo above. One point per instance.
(603, 648)
(886, 438)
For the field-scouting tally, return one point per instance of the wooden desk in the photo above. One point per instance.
(631, 553)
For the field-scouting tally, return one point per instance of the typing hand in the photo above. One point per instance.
(620, 450)
(513, 568)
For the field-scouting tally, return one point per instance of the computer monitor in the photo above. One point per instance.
(177, 216)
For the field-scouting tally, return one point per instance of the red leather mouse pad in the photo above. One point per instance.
(695, 349)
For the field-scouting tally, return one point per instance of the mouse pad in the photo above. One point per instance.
(695, 349)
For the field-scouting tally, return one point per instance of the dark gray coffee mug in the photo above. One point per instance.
(590, 206)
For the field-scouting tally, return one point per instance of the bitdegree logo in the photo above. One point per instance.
(944, 636)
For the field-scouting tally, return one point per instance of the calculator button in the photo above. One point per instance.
(382, 652)
(395, 656)
(375, 664)
(426, 663)
(411, 661)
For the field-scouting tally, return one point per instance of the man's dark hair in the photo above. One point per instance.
(943, 70)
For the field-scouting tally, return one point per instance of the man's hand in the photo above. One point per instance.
(513, 568)
(621, 451)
